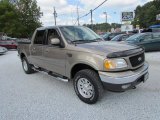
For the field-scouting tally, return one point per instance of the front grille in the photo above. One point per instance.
(137, 60)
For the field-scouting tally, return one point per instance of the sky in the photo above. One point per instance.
(67, 10)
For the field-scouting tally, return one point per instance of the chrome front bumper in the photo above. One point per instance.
(124, 80)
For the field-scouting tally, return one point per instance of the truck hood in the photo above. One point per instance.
(106, 47)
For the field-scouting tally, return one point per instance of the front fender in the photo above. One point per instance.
(92, 60)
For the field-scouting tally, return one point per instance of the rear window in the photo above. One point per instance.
(39, 37)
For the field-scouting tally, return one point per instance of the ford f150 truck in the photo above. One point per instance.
(77, 53)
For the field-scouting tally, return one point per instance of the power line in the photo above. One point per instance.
(84, 15)
(77, 11)
(75, 22)
(74, 12)
(94, 9)
(91, 12)
(99, 5)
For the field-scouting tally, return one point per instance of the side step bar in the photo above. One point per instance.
(58, 77)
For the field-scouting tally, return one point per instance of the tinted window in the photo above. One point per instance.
(116, 38)
(135, 37)
(148, 37)
(156, 35)
(39, 37)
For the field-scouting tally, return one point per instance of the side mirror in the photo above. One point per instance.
(55, 41)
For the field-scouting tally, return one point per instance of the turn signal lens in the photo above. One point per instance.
(114, 64)
(109, 64)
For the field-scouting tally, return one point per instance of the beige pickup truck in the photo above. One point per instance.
(78, 54)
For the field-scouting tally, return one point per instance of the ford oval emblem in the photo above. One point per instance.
(139, 59)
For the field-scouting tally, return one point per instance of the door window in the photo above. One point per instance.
(39, 39)
(148, 37)
(52, 33)
(156, 35)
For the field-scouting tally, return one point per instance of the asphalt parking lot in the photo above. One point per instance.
(41, 97)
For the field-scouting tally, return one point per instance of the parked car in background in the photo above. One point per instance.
(109, 36)
(9, 44)
(104, 35)
(121, 37)
(151, 30)
(3, 50)
(100, 33)
(155, 26)
(23, 40)
(150, 41)
(155, 29)
(136, 31)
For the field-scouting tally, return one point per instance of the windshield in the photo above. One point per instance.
(116, 38)
(106, 35)
(79, 33)
(134, 37)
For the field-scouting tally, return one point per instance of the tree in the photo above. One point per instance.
(146, 15)
(9, 22)
(19, 19)
(103, 26)
(29, 15)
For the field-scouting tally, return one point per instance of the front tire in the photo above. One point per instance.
(88, 86)
(26, 66)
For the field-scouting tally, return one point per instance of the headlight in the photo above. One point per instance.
(110, 64)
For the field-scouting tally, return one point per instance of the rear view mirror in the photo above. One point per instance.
(55, 41)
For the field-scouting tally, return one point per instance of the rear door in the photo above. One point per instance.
(36, 49)
(54, 55)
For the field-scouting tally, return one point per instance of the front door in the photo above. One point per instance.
(54, 55)
(146, 42)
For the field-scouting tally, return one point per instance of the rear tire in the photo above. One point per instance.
(88, 86)
(26, 66)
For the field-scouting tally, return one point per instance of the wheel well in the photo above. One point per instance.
(79, 67)
(22, 55)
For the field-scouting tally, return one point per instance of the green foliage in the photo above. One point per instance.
(146, 15)
(103, 26)
(29, 15)
(20, 19)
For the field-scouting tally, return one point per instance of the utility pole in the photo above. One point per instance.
(91, 20)
(78, 15)
(105, 13)
(91, 11)
(55, 15)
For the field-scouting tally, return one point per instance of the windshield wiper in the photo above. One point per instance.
(97, 40)
(87, 41)
(81, 41)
